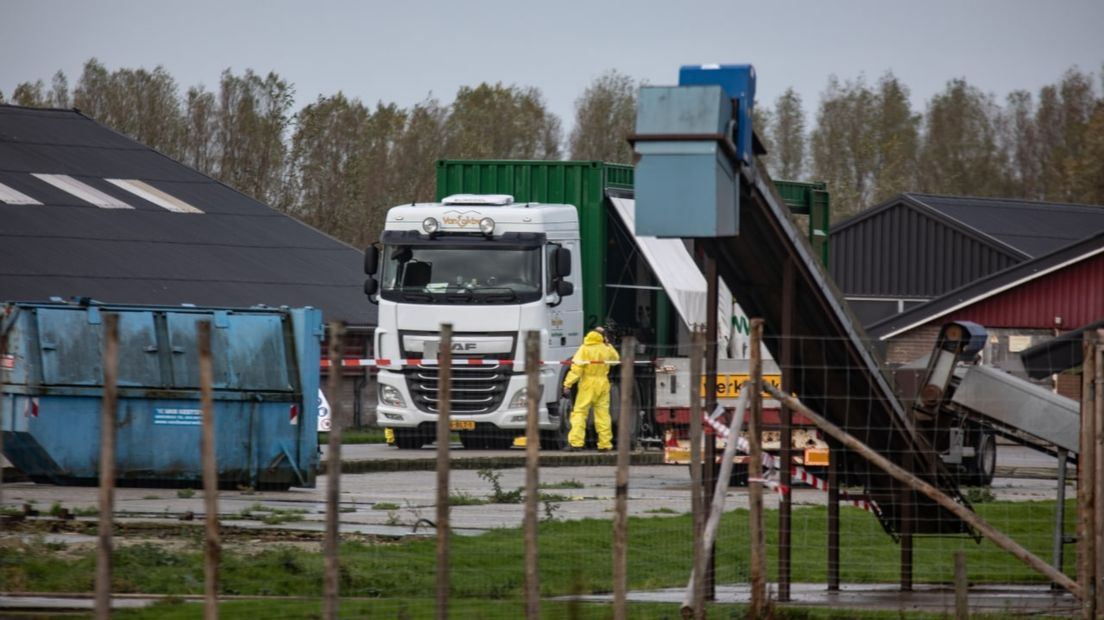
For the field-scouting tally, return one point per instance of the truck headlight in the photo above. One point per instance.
(521, 397)
(430, 225)
(391, 396)
(486, 226)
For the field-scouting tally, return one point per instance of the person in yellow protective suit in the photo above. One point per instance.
(594, 390)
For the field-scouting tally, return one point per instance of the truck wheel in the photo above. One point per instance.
(409, 438)
(566, 405)
(981, 468)
(557, 439)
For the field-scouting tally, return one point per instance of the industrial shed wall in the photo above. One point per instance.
(905, 253)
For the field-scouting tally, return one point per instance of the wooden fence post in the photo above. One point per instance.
(1086, 475)
(444, 408)
(532, 472)
(755, 473)
(962, 587)
(331, 581)
(107, 465)
(697, 508)
(212, 544)
(621, 505)
(1098, 475)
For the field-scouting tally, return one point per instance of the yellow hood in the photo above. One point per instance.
(593, 338)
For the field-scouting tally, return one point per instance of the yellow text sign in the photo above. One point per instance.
(728, 386)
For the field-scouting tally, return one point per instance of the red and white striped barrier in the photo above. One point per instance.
(414, 361)
(796, 473)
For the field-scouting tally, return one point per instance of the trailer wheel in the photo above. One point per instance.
(981, 468)
(633, 417)
(409, 438)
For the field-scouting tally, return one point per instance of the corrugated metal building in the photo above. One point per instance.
(918, 247)
(87, 212)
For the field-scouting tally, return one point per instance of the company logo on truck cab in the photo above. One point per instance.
(461, 219)
(428, 345)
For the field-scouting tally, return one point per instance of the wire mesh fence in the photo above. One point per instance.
(837, 523)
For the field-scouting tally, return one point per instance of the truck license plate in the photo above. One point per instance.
(462, 425)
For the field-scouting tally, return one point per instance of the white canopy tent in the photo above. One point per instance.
(679, 275)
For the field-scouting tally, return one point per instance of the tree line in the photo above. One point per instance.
(338, 164)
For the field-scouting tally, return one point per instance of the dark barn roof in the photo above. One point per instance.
(924, 245)
(235, 252)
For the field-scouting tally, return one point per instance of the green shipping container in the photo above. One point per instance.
(580, 183)
(586, 184)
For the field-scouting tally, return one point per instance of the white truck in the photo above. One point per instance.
(494, 269)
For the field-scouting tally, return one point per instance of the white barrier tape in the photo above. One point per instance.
(796, 472)
(377, 363)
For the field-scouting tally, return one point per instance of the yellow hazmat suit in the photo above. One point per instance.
(594, 390)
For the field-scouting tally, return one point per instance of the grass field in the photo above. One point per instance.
(575, 558)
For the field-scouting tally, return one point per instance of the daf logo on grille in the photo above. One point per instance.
(463, 346)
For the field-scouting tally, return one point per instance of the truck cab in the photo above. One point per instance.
(494, 269)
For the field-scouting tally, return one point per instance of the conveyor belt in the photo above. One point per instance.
(1010, 402)
(834, 371)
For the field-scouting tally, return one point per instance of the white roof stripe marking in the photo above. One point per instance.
(13, 197)
(83, 191)
(147, 192)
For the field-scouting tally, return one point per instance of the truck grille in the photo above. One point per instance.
(475, 389)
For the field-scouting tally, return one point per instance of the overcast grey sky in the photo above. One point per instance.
(403, 51)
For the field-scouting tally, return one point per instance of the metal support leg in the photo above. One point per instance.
(834, 456)
(711, 337)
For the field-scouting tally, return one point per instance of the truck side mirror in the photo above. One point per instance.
(563, 262)
(371, 285)
(564, 288)
(371, 260)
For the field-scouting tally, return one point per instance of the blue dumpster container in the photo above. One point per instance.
(266, 375)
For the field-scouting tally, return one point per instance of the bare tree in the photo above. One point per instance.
(896, 138)
(843, 145)
(788, 136)
(30, 94)
(959, 149)
(199, 148)
(1019, 140)
(1088, 186)
(604, 116)
(504, 122)
(253, 118)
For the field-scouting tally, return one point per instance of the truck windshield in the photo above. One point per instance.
(461, 275)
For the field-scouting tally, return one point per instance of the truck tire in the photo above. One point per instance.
(409, 438)
(557, 439)
(983, 465)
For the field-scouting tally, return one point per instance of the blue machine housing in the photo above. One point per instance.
(690, 142)
(265, 377)
(738, 82)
